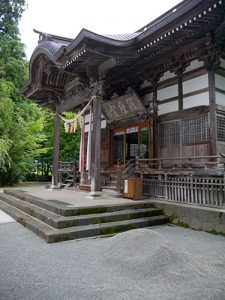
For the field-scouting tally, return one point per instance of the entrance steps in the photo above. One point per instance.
(55, 221)
(111, 182)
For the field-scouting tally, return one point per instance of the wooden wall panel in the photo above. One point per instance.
(221, 147)
(170, 151)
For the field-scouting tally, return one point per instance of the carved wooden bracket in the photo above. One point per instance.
(210, 54)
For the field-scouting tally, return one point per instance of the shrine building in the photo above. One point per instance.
(152, 102)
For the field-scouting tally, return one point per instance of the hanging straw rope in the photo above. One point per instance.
(72, 125)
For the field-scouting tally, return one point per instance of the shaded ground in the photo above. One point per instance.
(163, 263)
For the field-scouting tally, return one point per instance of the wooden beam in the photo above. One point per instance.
(72, 103)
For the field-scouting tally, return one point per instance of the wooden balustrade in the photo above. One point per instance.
(191, 189)
(193, 180)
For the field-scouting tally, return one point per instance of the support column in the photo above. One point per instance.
(96, 147)
(155, 140)
(212, 112)
(81, 158)
(55, 163)
(180, 91)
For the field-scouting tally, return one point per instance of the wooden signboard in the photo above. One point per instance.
(123, 107)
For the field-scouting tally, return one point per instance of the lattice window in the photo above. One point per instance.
(187, 131)
(169, 133)
(195, 129)
(221, 128)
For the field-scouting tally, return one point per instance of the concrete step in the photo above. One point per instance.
(37, 212)
(58, 221)
(111, 182)
(52, 235)
(67, 210)
(109, 187)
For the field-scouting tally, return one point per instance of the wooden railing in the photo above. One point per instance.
(196, 162)
(194, 180)
(207, 191)
(69, 168)
(123, 172)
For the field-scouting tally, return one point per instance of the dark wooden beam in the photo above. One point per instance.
(73, 102)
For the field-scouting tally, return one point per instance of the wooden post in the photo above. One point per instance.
(81, 158)
(137, 164)
(165, 186)
(155, 125)
(212, 112)
(55, 163)
(96, 147)
(74, 174)
(119, 179)
(180, 91)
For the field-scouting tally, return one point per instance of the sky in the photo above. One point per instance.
(68, 17)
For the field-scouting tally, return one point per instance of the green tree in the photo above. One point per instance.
(21, 122)
(69, 145)
(26, 132)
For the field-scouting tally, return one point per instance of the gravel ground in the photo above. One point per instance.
(161, 263)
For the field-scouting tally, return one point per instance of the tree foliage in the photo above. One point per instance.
(69, 145)
(21, 122)
(26, 132)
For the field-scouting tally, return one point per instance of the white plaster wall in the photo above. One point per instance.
(146, 84)
(220, 82)
(146, 98)
(195, 84)
(87, 118)
(168, 107)
(196, 100)
(222, 62)
(195, 64)
(220, 99)
(168, 92)
(167, 75)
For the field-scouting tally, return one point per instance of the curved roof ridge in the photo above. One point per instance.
(51, 37)
(122, 37)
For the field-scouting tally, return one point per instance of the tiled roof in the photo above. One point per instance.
(51, 46)
(122, 37)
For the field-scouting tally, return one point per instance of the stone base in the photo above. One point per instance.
(94, 194)
(54, 187)
(196, 217)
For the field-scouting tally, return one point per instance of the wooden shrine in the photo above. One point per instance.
(157, 93)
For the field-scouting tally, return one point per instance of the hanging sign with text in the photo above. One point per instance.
(123, 107)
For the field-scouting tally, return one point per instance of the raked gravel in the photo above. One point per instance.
(161, 263)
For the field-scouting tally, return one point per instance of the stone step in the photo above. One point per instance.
(66, 210)
(58, 221)
(111, 182)
(110, 187)
(52, 235)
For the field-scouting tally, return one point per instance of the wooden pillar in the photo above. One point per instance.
(180, 91)
(81, 157)
(154, 139)
(55, 163)
(96, 146)
(212, 112)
